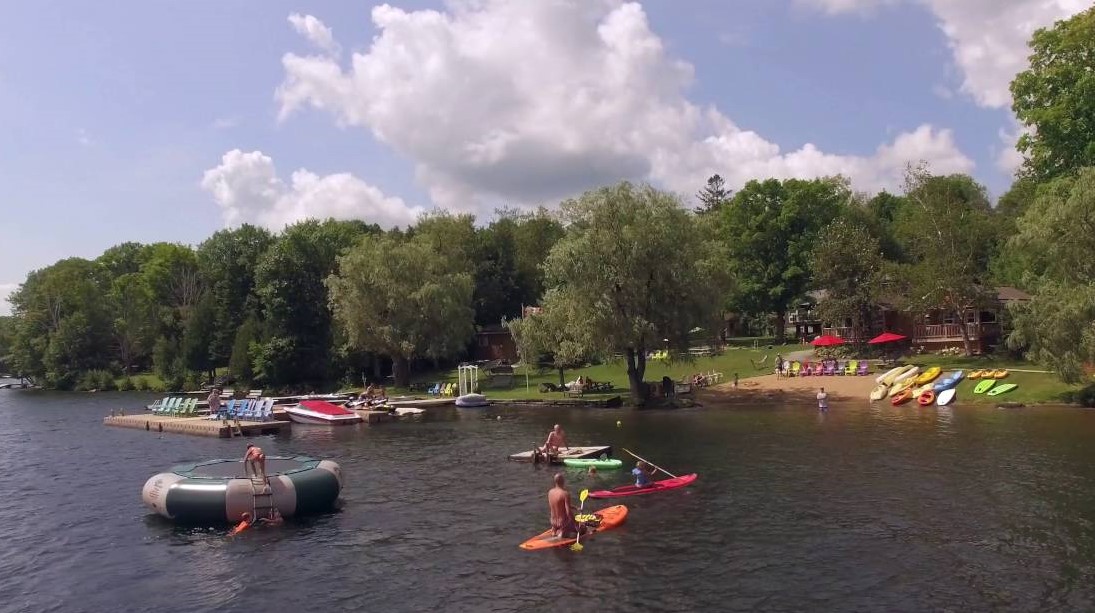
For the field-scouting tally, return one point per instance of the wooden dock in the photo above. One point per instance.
(424, 403)
(198, 426)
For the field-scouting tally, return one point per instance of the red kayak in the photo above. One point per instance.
(657, 486)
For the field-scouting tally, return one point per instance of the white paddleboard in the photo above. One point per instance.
(945, 397)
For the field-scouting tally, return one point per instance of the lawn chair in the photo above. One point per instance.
(796, 369)
(190, 406)
(808, 369)
(434, 390)
(864, 368)
(268, 410)
(173, 406)
(852, 367)
(830, 369)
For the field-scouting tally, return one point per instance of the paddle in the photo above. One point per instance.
(651, 463)
(577, 546)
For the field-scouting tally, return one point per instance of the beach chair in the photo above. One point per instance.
(808, 369)
(851, 367)
(268, 410)
(830, 369)
(234, 410)
(864, 368)
(173, 406)
(188, 407)
(796, 369)
(434, 390)
(168, 407)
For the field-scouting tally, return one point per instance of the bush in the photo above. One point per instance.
(104, 380)
(1086, 396)
(126, 385)
(175, 383)
(141, 384)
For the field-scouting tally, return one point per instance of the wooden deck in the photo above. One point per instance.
(425, 402)
(197, 426)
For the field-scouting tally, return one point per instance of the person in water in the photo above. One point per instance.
(562, 510)
(255, 459)
(556, 440)
(642, 474)
(822, 400)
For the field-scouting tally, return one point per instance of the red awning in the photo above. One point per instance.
(827, 340)
(887, 337)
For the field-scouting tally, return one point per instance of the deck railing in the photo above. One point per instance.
(930, 332)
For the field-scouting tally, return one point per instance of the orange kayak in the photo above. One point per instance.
(926, 398)
(610, 517)
(901, 397)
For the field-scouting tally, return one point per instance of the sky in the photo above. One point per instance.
(157, 121)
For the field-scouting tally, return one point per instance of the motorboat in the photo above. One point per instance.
(323, 413)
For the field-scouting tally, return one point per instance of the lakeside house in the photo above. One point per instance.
(494, 343)
(933, 330)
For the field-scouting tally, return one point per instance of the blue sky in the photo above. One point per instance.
(112, 113)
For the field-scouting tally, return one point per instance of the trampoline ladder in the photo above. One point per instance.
(262, 498)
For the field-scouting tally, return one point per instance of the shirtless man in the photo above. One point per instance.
(256, 460)
(562, 512)
(556, 440)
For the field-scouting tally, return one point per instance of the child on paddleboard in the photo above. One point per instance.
(642, 474)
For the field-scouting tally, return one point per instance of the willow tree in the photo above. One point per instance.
(549, 337)
(634, 267)
(402, 298)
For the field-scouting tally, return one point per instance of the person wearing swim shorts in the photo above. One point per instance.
(562, 511)
(255, 460)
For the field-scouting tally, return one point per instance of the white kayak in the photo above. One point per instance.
(945, 397)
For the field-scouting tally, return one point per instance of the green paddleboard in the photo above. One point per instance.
(586, 463)
(1000, 389)
(984, 386)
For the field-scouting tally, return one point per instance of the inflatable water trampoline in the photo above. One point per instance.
(219, 491)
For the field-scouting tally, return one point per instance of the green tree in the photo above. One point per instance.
(1057, 237)
(635, 267)
(714, 196)
(198, 337)
(1055, 98)
(227, 261)
(549, 337)
(133, 322)
(240, 364)
(848, 265)
(770, 228)
(7, 339)
(948, 234)
(402, 298)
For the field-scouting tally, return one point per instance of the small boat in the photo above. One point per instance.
(656, 486)
(568, 452)
(468, 401)
(984, 386)
(408, 411)
(1003, 388)
(928, 375)
(917, 391)
(948, 382)
(926, 398)
(879, 392)
(909, 372)
(901, 397)
(976, 374)
(888, 376)
(323, 413)
(1000, 374)
(945, 397)
(605, 519)
(900, 386)
(606, 463)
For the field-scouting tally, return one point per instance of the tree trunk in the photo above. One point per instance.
(562, 382)
(965, 333)
(401, 369)
(781, 325)
(378, 374)
(636, 369)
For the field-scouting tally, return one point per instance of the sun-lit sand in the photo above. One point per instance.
(769, 389)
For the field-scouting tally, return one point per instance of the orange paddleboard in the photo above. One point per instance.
(610, 517)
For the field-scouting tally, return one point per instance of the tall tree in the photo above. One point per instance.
(848, 265)
(635, 267)
(1057, 234)
(714, 195)
(1055, 98)
(948, 234)
(550, 337)
(402, 299)
(770, 228)
(227, 261)
(133, 324)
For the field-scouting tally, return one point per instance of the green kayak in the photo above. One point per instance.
(1002, 389)
(984, 386)
(594, 462)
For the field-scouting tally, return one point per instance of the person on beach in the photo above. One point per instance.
(642, 473)
(214, 401)
(556, 440)
(779, 366)
(822, 400)
(255, 459)
(562, 510)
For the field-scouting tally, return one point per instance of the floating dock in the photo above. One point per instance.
(423, 403)
(567, 453)
(198, 426)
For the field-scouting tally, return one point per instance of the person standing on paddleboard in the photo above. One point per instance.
(562, 511)
(822, 400)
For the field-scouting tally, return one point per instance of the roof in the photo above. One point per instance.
(1011, 294)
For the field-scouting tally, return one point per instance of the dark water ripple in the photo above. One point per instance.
(863, 509)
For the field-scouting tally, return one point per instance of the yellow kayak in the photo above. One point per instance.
(928, 376)
(1000, 374)
(976, 374)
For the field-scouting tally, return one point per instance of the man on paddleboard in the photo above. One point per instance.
(562, 512)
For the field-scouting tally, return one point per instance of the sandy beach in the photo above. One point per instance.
(769, 389)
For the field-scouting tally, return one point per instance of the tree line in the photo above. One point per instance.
(620, 270)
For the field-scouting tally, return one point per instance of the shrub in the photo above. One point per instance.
(141, 384)
(174, 383)
(104, 380)
(1086, 395)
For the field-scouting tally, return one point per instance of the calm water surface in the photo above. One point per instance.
(862, 509)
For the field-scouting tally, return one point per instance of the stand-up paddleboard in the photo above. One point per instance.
(945, 397)
(607, 519)
(608, 463)
(1002, 389)
(653, 488)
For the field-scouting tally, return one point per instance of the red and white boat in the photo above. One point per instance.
(324, 413)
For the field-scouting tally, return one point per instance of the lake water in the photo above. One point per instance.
(860, 509)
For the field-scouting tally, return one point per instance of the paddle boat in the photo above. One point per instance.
(469, 401)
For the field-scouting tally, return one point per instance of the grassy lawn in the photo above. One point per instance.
(1034, 387)
(733, 360)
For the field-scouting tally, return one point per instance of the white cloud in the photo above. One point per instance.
(531, 101)
(988, 38)
(247, 188)
(225, 123)
(1008, 158)
(83, 137)
(6, 290)
(316, 32)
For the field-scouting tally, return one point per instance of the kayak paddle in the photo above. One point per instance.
(577, 546)
(652, 464)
